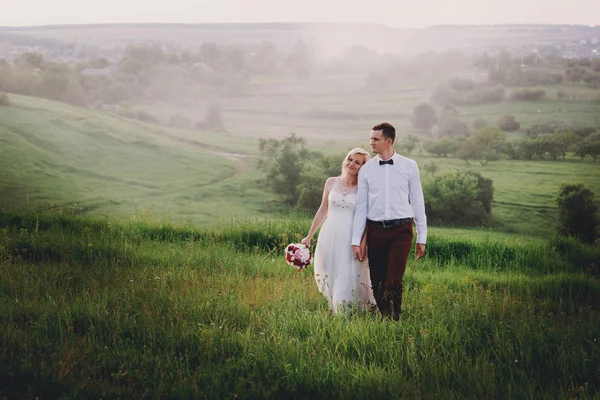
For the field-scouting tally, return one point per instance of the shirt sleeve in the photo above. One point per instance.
(417, 203)
(360, 210)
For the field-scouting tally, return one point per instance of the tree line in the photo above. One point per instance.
(453, 137)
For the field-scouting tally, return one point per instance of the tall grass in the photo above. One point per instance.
(108, 309)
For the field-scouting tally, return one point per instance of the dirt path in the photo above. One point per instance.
(241, 166)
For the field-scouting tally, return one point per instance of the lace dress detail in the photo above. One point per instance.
(340, 277)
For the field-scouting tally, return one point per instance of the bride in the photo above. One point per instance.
(343, 280)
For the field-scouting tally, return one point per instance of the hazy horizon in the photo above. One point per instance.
(387, 12)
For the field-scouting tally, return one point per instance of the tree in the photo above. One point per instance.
(565, 141)
(479, 123)
(483, 146)
(431, 168)
(547, 127)
(512, 150)
(468, 150)
(449, 111)
(527, 149)
(457, 198)
(577, 212)
(486, 191)
(213, 120)
(99, 63)
(131, 65)
(592, 79)
(4, 100)
(30, 60)
(209, 53)
(51, 85)
(424, 117)
(310, 191)
(440, 148)
(528, 94)
(300, 60)
(508, 123)
(584, 131)
(331, 164)
(408, 144)
(547, 144)
(589, 146)
(266, 58)
(490, 138)
(452, 127)
(283, 161)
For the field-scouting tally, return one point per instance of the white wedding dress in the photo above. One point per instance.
(342, 279)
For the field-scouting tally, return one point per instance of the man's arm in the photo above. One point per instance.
(417, 203)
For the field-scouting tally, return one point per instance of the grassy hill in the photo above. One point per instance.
(55, 155)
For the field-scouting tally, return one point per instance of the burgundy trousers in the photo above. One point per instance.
(388, 249)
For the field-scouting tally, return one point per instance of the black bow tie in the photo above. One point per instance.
(390, 161)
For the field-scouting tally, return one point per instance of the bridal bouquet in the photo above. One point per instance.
(298, 255)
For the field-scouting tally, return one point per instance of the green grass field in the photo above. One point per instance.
(332, 114)
(60, 157)
(57, 156)
(99, 308)
(525, 191)
(138, 260)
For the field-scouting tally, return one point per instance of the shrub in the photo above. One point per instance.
(547, 127)
(528, 94)
(577, 212)
(452, 127)
(460, 198)
(508, 123)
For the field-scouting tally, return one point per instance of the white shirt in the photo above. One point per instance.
(387, 192)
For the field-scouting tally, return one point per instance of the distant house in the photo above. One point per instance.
(475, 76)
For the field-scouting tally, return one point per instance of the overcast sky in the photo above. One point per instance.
(394, 13)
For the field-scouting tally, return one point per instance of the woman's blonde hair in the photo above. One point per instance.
(356, 150)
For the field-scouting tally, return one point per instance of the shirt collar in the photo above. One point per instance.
(393, 156)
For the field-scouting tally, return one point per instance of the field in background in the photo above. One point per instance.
(58, 156)
(331, 115)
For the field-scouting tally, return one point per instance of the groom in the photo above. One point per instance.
(389, 199)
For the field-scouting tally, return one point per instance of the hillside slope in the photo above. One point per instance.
(52, 153)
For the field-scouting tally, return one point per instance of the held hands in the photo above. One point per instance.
(420, 250)
(359, 252)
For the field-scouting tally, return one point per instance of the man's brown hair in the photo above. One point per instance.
(388, 131)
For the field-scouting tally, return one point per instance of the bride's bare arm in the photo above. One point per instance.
(321, 213)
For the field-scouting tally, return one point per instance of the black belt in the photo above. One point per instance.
(389, 223)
